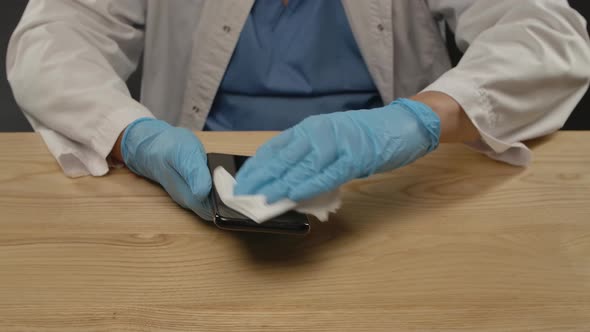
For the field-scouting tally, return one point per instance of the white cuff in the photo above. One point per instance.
(478, 108)
(78, 160)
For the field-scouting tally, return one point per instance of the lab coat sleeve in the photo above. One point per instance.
(525, 68)
(67, 64)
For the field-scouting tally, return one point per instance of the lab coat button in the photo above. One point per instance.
(226, 28)
(380, 27)
(196, 109)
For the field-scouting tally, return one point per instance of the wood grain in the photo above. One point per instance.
(455, 242)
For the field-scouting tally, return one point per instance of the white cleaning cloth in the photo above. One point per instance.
(256, 208)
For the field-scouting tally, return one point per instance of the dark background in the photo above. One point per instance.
(11, 119)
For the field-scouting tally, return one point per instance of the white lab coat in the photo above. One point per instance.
(526, 66)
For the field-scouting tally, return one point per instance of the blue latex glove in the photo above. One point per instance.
(173, 157)
(325, 151)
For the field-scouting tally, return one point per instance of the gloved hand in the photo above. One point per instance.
(173, 157)
(325, 151)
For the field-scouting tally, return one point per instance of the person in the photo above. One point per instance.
(358, 87)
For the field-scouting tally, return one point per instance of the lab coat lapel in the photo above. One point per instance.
(371, 22)
(214, 41)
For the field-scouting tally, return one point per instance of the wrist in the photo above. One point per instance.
(116, 151)
(455, 125)
(427, 123)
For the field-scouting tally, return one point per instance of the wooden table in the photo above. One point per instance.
(454, 242)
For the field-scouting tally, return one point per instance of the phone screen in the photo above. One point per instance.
(229, 219)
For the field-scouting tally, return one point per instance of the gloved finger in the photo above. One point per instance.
(278, 188)
(190, 162)
(200, 179)
(274, 191)
(263, 170)
(324, 151)
(328, 179)
(276, 143)
(266, 152)
(180, 192)
(298, 173)
(203, 209)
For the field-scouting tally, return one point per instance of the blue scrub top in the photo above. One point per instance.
(292, 62)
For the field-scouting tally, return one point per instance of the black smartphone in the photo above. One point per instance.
(228, 219)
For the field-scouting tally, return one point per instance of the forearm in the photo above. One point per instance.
(456, 127)
(69, 78)
(526, 65)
